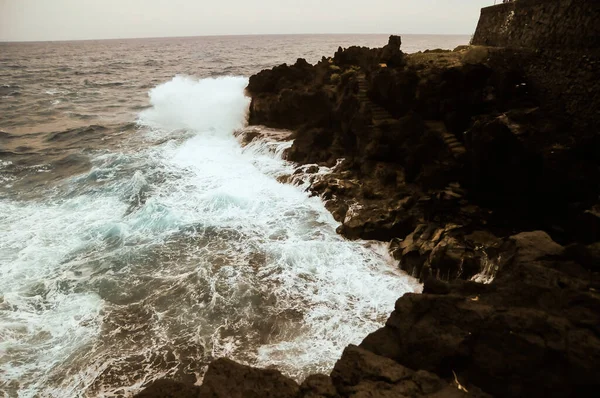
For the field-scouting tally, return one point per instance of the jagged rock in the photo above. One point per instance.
(391, 55)
(363, 57)
(360, 373)
(318, 386)
(450, 155)
(447, 252)
(228, 379)
(535, 245)
(376, 224)
(292, 109)
(164, 388)
(280, 77)
(532, 332)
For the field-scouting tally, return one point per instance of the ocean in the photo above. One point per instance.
(139, 239)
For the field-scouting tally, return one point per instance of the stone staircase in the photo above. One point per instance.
(456, 147)
(454, 191)
(362, 87)
(380, 117)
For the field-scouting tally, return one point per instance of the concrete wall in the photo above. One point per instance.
(539, 24)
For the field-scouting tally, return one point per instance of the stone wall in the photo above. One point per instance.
(540, 24)
(565, 80)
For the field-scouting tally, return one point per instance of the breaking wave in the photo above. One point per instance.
(180, 247)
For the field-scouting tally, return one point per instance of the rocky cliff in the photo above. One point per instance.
(485, 188)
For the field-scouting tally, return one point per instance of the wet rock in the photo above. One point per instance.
(451, 156)
(312, 144)
(435, 286)
(535, 245)
(164, 388)
(376, 224)
(513, 336)
(360, 373)
(228, 379)
(318, 386)
(448, 252)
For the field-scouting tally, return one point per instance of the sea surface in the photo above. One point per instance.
(139, 239)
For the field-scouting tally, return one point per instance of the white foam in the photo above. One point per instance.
(43, 318)
(198, 232)
(206, 105)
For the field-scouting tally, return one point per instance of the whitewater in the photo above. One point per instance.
(139, 239)
(179, 247)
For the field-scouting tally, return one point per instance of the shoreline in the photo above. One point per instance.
(441, 225)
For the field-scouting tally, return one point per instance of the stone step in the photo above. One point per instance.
(455, 187)
(455, 146)
(453, 194)
(454, 190)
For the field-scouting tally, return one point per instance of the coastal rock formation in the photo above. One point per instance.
(459, 136)
(487, 190)
(532, 332)
(452, 157)
(358, 373)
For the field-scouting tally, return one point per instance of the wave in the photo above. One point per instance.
(76, 133)
(216, 105)
(179, 250)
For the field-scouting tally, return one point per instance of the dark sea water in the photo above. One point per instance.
(139, 240)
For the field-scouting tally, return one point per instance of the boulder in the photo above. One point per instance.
(360, 373)
(228, 379)
(164, 388)
(532, 332)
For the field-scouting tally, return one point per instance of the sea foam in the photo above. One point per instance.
(180, 248)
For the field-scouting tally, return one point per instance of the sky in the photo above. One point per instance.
(38, 20)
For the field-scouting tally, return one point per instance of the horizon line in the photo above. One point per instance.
(232, 35)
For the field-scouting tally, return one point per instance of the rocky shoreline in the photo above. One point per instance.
(486, 189)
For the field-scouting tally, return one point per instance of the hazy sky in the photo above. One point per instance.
(102, 19)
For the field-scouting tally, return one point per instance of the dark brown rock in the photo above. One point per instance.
(318, 386)
(360, 373)
(164, 388)
(450, 156)
(227, 379)
(514, 336)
